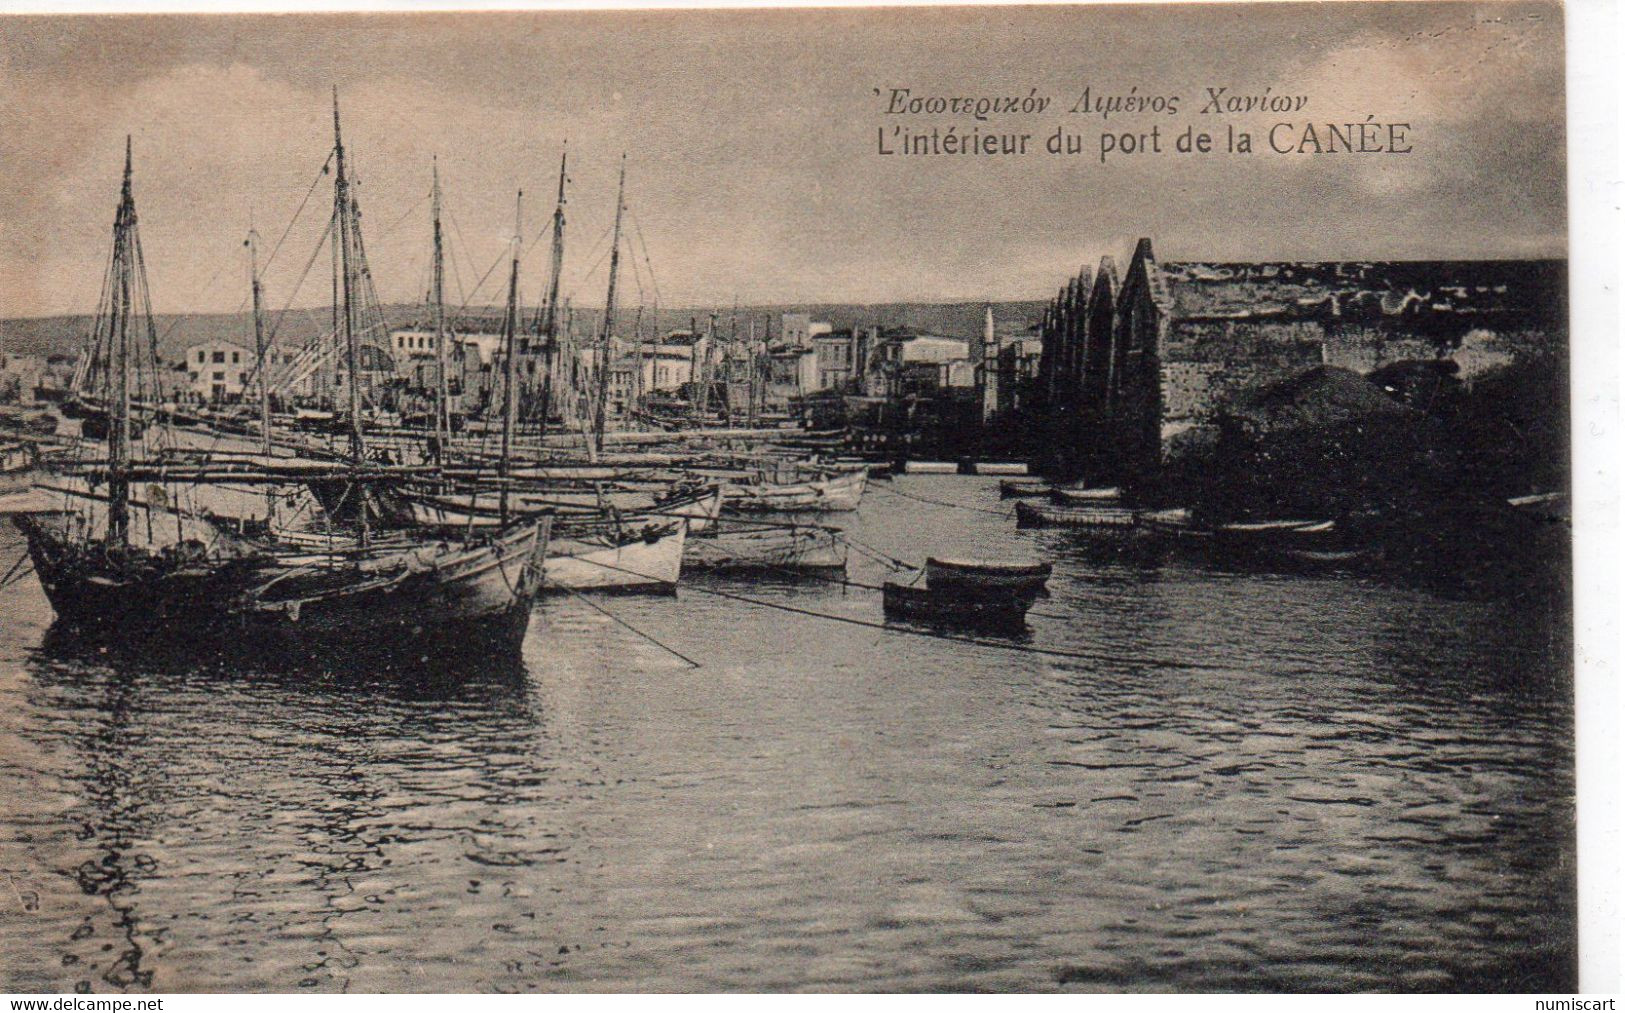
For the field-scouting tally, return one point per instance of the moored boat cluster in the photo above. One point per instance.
(145, 520)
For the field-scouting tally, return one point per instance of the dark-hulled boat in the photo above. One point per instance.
(406, 594)
(417, 593)
(978, 593)
(180, 575)
(1102, 519)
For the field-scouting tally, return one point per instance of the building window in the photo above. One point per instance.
(242, 378)
(200, 355)
(220, 375)
(218, 357)
(236, 357)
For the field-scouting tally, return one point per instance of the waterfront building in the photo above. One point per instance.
(792, 373)
(837, 355)
(1134, 369)
(217, 370)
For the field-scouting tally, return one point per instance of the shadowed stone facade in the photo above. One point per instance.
(1135, 366)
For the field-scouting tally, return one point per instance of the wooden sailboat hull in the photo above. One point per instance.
(436, 592)
(646, 564)
(483, 510)
(88, 586)
(401, 602)
(789, 548)
(838, 493)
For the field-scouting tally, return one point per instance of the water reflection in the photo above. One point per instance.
(1241, 780)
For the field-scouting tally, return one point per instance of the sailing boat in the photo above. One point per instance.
(547, 319)
(605, 550)
(186, 576)
(411, 587)
(95, 565)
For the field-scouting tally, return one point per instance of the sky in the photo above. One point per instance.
(753, 167)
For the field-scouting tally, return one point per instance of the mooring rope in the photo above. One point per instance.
(933, 635)
(13, 575)
(1007, 514)
(617, 619)
(875, 554)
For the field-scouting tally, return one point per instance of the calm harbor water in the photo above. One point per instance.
(1250, 781)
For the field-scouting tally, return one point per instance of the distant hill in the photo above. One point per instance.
(176, 332)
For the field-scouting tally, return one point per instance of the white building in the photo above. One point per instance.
(217, 370)
(917, 347)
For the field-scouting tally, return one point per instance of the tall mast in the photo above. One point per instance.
(609, 310)
(442, 404)
(260, 351)
(550, 309)
(510, 324)
(705, 366)
(728, 380)
(694, 366)
(636, 392)
(343, 239)
(750, 377)
(118, 428)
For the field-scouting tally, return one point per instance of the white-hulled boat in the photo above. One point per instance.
(780, 548)
(616, 558)
(842, 491)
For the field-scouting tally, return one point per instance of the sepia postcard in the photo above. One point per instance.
(923, 499)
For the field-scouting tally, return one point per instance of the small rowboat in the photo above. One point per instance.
(1087, 497)
(1116, 520)
(937, 608)
(969, 592)
(1274, 536)
(772, 548)
(1330, 558)
(988, 578)
(1268, 528)
(1175, 524)
(1018, 488)
(839, 492)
